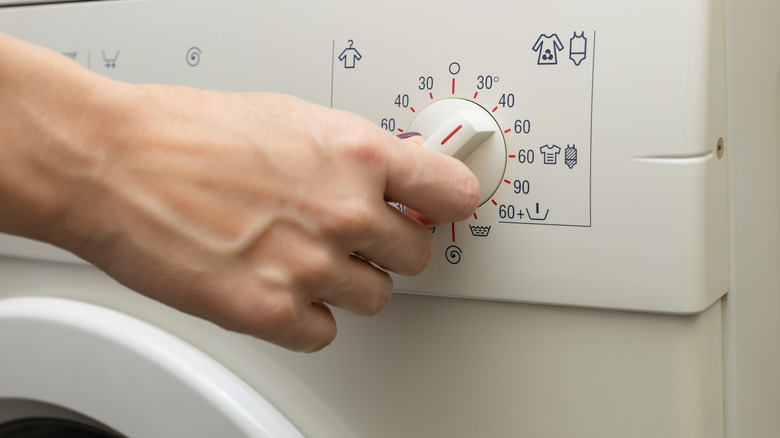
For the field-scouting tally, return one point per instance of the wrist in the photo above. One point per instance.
(58, 124)
(93, 150)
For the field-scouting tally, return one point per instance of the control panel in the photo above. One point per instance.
(595, 132)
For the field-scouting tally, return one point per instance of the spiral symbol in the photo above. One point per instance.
(453, 254)
(193, 56)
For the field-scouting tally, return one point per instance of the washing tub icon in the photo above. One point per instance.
(478, 231)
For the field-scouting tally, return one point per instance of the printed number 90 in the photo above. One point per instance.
(522, 187)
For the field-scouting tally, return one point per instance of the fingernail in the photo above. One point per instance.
(408, 135)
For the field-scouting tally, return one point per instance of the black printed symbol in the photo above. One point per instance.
(110, 61)
(193, 56)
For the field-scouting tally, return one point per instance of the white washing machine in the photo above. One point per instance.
(619, 279)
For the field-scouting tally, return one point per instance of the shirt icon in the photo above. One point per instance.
(550, 153)
(350, 55)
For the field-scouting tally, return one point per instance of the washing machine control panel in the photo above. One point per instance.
(594, 135)
(536, 150)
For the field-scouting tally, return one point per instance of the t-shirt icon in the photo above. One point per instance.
(550, 153)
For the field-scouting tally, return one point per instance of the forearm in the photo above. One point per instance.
(53, 114)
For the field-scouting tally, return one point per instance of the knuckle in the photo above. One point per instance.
(355, 219)
(317, 266)
(279, 313)
(362, 146)
(262, 314)
(365, 152)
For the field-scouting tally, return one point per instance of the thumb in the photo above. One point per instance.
(439, 187)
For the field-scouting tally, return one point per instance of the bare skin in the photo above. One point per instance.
(255, 211)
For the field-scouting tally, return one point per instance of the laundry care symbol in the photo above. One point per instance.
(570, 156)
(578, 48)
(548, 46)
(350, 56)
(550, 153)
(110, 59)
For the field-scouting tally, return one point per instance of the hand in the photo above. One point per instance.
(254, 211)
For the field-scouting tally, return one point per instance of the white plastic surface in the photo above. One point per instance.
(127, 374)
(31, 249)
(612, 196)
(461, 133)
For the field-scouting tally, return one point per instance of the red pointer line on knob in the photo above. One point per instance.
(451, 134)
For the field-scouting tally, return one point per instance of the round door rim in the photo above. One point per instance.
(125, 373)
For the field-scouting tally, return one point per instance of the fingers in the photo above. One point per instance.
(356, 286)
(436, 188)
(317, 330)
(441, 188)
(400, 243)
(360, 287)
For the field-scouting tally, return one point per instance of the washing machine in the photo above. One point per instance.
(620, 277)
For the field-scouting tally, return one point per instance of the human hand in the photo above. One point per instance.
(256, 211)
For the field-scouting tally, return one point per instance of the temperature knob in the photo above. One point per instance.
(464, 130)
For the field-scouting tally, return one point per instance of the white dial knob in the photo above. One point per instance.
(464, 130)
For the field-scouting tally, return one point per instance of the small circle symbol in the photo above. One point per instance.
(193, 56)
(454, 68)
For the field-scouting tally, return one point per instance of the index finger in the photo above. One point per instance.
(439, 187)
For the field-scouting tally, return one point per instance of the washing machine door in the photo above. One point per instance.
(72, 366)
